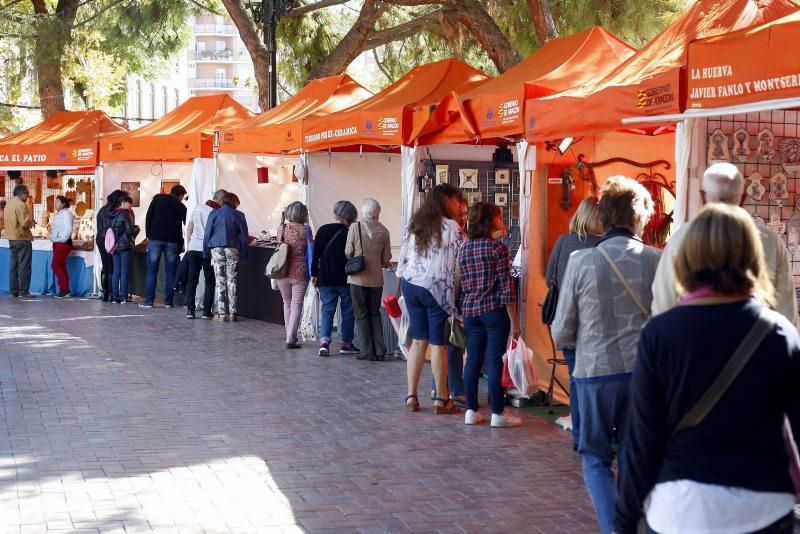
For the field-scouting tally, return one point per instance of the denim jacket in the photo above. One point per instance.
(226, 228)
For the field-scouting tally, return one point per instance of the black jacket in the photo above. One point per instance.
(328, 266)
(125, 231)
(102, 226)
(165, 218)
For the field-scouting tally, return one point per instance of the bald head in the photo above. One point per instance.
(722, 182)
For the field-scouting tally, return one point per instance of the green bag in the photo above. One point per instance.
(457, 336)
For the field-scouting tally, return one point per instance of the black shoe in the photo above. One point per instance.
(15, 295)
(27, 295)
(366, 357)
(293, 345)
(208, 316)
(190, 315)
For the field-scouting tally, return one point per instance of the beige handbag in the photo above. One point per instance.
(278, 265)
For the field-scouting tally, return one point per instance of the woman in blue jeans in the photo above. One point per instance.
(125, 232)
(487, 303)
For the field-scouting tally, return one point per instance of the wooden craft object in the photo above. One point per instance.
(37, 195)
(51, 203)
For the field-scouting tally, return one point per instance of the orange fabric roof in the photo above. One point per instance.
(185, 133)
(66, 139)
(649, 83)
(495, 108)
(750, 65)
(279, 129)
(385, 119)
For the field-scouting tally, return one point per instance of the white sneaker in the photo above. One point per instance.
(472, 417)
(505, 420)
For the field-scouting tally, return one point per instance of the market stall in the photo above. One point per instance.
(57, 157)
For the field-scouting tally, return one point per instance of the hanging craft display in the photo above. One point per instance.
(442, 174)
(793, 230)
(468, 179)
(790, 154)
(502, 176)
(777, 188)
(766, 145)
(718, 151)
(758, 218)
(741, 145)
(776, 225)
(756, 189)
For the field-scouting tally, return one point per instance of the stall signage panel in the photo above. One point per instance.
(554, 181)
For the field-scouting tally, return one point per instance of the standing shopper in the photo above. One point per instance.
(164, 230)
(120, 220)
(106, 259)
(61, 236)
(488, 304)
(726, 471)
(224, 243)
(585, 231)
(602, 306)
(328, 276)
(427, 272)
(370, 239)
(19, 221)
(294, 232)
(195, 234)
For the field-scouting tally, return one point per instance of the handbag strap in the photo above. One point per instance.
(360, 241)
(328, 246)
(624, 281)
(762, 326)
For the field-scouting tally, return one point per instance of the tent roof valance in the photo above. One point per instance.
(185, 133)
(67, 139)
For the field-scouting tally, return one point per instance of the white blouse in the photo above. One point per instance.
(62, 226)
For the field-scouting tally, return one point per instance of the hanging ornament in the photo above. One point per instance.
(741, 145)
(790, 154)
(777, 188)
(766, 144)
(718, 151)
(776, 225)
(793, 229)
(756, 189)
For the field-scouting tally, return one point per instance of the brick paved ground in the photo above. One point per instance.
(122, 419)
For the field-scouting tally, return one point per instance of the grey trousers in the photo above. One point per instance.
(19, 268)
(367, 310)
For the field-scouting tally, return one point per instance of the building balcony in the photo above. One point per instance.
(220, 56)
(215, 29)
(218, 83)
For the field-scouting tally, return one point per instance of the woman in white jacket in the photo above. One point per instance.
(61, 236)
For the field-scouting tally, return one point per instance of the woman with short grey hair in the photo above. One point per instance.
(370, 239)
(294, 231)
(328, 276)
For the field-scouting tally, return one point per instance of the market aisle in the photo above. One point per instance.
(118, 418)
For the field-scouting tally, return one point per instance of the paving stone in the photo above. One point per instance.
(118, 419)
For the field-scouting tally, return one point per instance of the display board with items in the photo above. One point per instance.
(44, 187)
(765, 147)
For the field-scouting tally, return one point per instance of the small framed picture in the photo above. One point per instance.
(132, 188)
(474, 197)
(501, 199)
(502, 176)
(468, 178)
(442, 174)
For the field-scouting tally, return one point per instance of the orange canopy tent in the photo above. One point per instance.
(751, 65)
(67, 139)
(495, 108)
(185, 133)
(652, 82)
(385, 119)
(279, 129)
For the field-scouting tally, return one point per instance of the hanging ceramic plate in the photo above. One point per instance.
(718, 151)
(759, 220)
(80, 209)
(776, 225)
(777, 188)
(766, 145)
(741, 145)
(793, 227)
(790, 154)
(756, 189)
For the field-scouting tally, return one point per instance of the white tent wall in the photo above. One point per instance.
(352, 176)
(262, 204)
(201, 186)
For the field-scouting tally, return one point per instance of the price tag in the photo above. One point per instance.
(554, 181)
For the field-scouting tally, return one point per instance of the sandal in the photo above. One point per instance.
(447, 406)
(414, 406)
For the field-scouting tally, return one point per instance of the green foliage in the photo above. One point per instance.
(304, 41)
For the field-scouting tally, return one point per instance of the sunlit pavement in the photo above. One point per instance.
(119, 419)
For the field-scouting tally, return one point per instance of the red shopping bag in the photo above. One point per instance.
(392, 306)
(506, 381)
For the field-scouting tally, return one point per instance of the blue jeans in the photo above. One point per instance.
(455, 371)
(487, 338)
(603, 409)
(154, 251)
(330, 297)
(119, 278)
(569, 357)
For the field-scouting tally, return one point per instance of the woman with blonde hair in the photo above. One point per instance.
(585, 231)
(702, 456)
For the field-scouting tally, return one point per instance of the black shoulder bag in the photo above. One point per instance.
(550, 303)
(357, 264)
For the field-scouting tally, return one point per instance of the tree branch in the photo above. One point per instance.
(401, 31)
(204, 7)
(445, 3)
(255, 47)
(474, 17)
(40, 7)
(542, 20)
(308, 8)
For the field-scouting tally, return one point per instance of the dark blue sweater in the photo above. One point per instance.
(740, 442)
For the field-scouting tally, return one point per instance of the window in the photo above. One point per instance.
(177, 97)
(220, 46)
(165, 101)
(152, 101)
(201, 46)
(221, 75)
(191, 69)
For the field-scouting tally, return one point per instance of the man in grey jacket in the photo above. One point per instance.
(722, 182)
(603, 303)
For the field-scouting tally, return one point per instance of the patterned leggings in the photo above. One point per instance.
(225, 262)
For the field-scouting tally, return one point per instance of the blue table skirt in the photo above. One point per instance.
(42, 277)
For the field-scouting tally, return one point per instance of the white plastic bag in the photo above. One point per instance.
(404, 332)
(519, 359)
(309, 321)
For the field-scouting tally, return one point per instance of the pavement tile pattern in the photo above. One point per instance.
(118, 419)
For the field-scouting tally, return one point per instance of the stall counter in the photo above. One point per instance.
(80, 265)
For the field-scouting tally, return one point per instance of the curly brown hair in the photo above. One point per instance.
(426, 223)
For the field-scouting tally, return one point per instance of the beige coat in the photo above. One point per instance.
(377, 251)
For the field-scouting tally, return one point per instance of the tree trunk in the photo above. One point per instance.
(351, 44)
(54, 34)
(474, 17)
(543, 23)
(255, 46)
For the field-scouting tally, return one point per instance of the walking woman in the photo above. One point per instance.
(224, 243)
(427, 272)
(585, 231)
(370, 239)
(294, 231)
(729, 470)
(120, 221)
(106, 260)
(488, 304)
(61, 236)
